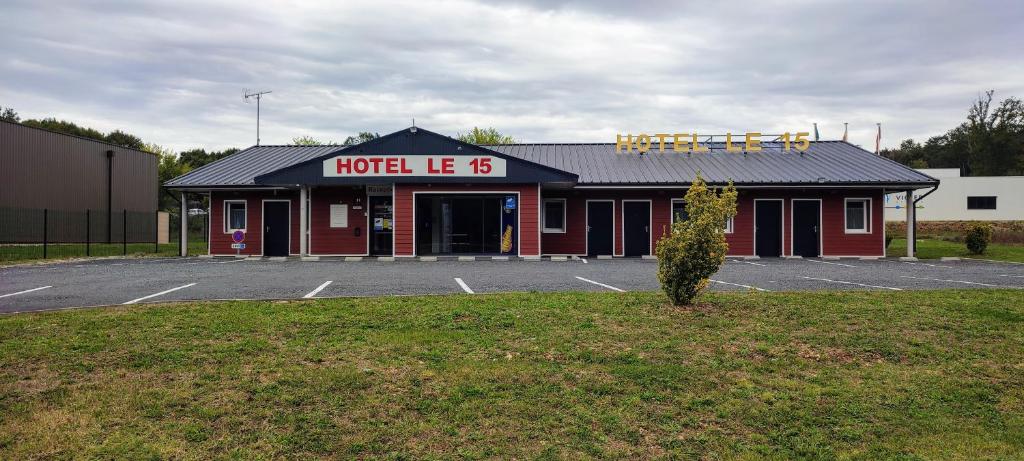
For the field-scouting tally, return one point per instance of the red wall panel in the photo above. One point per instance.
(220, 242)
(527, 208)
(836, 241)
(325, 240)
(574, 240)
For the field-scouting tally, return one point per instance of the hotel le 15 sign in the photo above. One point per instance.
(689, 142)
(415, 165)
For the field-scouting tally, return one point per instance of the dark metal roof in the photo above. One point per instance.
(825, 162)
(241, 168)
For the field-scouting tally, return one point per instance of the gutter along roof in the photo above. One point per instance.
(825, 163)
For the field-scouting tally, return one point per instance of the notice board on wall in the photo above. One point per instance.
(339, 215)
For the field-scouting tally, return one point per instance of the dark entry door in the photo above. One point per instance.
(275, 228)
(636, 228)
(600, 225)
(806, 233)
(768, 227)
(381, 225)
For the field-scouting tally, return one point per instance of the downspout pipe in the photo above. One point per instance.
(913, 245)
(110, 195)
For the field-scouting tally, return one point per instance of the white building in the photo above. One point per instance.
(963, 198)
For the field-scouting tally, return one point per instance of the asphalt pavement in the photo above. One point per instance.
(104, 282)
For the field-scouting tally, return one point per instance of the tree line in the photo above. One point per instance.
(989, 143)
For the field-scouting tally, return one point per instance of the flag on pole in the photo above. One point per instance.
(815, 131)
(878, 140)
(846, 131)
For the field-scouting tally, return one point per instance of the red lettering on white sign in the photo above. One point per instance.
(415, 165)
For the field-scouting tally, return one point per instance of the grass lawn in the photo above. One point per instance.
(29, 253)
(909, 375)
(934, 249)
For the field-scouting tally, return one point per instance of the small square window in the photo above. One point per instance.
(554, 215)
(234, 216)
(728, 225)
(858, 217)
(981, 203)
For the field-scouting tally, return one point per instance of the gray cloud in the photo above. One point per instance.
(542, 71)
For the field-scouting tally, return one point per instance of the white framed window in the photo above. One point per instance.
(554, 215)
(858, 215)
(234, 216)
(679, 213)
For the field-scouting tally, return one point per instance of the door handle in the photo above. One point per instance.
(267, 230)
(588, 228)
(815, 229)
(647, 229)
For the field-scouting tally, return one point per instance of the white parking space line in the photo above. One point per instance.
(463, 285)
(993, 261)
(925, 264)
(26, 291)
(852, 283)
(157, 294)
(739, 285)
(232, 261)
(601, 284)
(584, 260)
(829, 262)
(959, 281)
(1009, 275)
(317, 289)
(751, 263)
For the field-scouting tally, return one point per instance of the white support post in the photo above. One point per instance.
(303, 221)
(911, 223)
(183, 244)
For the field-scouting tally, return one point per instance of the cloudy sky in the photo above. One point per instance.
(173, 72)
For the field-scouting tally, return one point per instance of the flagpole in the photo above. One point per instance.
(846, 131)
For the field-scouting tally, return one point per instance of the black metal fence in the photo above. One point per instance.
(27, 234)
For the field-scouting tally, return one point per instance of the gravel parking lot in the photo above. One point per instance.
(129, 281)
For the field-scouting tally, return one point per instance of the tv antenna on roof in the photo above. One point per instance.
(246, 95)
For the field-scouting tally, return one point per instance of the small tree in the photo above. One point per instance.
(696, 247)
(978, 236)
(307, 140)
(360, 138)
(8, 114)
(485, 136)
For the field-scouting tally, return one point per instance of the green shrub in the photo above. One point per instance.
(695, 249)
(978, 236)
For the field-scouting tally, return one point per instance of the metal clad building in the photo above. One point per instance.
(963, 198)
(41, 169)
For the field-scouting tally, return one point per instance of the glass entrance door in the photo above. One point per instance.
(465, 225)
(381, 225)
